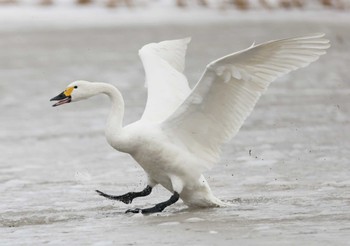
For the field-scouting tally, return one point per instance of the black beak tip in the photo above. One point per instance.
(61, 98)
(58, 97)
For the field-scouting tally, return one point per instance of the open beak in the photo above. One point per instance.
(62, 99)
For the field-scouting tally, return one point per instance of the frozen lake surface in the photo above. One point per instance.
(293, 189)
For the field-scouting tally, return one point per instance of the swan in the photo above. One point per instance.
(181, 130)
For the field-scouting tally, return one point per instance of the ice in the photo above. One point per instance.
(293, 189)
(173, 223)
(194, 220)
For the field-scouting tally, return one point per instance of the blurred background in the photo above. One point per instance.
(221, 4)
(70, 13)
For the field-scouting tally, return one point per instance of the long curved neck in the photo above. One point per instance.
(114, 126)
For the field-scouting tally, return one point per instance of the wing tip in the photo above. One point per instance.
(317, 35)
(148, 47)
(320, 37)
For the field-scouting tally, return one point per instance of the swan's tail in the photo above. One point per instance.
(218, 203)
(201, 196)
(209, 201)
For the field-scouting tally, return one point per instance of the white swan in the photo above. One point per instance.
(181, 131)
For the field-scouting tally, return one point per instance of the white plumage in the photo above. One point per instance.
(181, 131)
(164, 64)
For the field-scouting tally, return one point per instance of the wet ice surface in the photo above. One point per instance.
(293, 188)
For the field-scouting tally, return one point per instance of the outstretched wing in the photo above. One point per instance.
(229, 89)
(164, 63)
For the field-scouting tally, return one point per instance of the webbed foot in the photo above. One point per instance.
(127, 198)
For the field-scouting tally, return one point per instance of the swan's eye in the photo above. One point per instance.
(75, 87)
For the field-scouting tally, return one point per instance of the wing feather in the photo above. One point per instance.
(167, 86)
(229, 89)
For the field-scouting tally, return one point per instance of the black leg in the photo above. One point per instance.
(158, 207)
(128, 197)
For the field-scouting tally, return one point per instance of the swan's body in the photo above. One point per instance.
(181, 131)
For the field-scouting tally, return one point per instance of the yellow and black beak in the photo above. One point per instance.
(64, 97)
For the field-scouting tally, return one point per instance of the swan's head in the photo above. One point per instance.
(75, 91)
